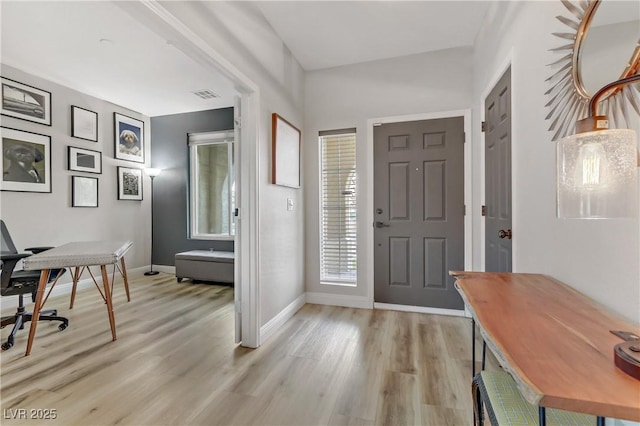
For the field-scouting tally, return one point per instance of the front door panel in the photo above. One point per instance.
(419, 212)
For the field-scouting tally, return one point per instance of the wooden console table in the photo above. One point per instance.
(554, 341)
(79, 254)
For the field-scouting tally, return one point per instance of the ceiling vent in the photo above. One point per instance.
(205, 94)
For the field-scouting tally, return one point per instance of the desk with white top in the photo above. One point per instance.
(77, 254)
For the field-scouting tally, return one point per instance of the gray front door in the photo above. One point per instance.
(497, 153)
(419, 212)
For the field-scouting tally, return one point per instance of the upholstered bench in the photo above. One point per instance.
(205, 265)
(505, 405)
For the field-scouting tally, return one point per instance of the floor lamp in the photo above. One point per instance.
(152, 173)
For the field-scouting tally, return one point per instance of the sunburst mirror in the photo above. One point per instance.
(600, 45)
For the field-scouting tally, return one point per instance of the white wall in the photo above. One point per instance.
(599, 258)
(239, 32)
(36, 219)
(345, 97)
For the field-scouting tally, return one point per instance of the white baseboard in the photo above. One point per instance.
(339, 300)
(165, 268)
(64, 288)
(420, 309)
(283, 316)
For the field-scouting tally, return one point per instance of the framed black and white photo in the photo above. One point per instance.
(129, 184)
(129, 138)
(84, 160)
(285, 152)
(26, 161)
(25, 102)
(84, 124)
(84, 191)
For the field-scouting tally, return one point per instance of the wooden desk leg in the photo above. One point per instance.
(44, 277)
(107, 296)
(76, 277)
(124, 277)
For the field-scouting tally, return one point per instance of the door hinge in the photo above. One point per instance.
(238, 123)
(484, 126)
(484, 210)
(236, 212)
(464, 210)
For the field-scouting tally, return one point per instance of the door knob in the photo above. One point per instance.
(381, 225)
(505, 234)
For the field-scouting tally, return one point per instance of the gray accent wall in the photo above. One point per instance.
(170, 192)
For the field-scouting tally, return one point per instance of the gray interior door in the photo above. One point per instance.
(419, 212)
(498, 235)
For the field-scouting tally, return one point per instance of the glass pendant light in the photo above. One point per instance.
(597, 168)
(597, 175)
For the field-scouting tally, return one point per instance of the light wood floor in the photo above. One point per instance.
(175, 363)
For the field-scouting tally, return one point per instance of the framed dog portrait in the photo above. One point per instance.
(84, 160)
(25, 102)
(84, 191)
(26, 161)
(84, 124)
(129, 184)
(129, 138)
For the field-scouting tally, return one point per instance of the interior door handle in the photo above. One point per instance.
(505, 234)
(381, 225)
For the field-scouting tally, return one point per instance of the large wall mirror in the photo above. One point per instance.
(600, 44)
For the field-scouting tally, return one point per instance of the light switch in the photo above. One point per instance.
(289, 204)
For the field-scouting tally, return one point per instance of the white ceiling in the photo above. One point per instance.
(98, 49)
(323, 34)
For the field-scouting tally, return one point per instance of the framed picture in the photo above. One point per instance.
(129, 138)
(25, 102)
(84, 160)
(84, 124)
(26, 161)
(129, 184)
(84, 191)
(285, 152)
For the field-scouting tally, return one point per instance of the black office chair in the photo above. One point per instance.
(21, 283)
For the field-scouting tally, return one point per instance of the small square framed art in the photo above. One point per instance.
(84, 191)
(129, 184)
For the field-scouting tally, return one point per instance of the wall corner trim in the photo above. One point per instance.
(275, 323)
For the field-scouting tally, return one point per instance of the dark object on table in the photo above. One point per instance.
(626, 355)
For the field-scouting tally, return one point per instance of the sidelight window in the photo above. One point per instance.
(338, 207)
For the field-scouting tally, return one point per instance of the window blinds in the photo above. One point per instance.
(338, 207)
